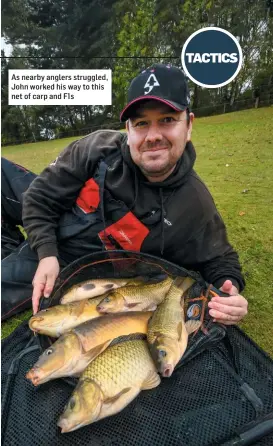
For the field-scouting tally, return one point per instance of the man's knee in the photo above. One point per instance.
(11, 238)
(18, 270)
(20, 265)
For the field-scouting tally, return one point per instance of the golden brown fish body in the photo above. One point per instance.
(135, 298)
(94, 288)
(73, 351)
(109, 384)
(55, 321)
(167, 332)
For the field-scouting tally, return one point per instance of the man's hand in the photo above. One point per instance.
(228, 310)
(44, 279)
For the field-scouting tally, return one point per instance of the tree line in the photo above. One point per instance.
(126, 37)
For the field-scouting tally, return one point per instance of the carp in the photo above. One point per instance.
(73, 351)
(135, 298)
(109, 384)
(55, 321)
(167, 331)
(94, 288)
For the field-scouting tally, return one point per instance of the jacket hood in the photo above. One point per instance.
(182, 169)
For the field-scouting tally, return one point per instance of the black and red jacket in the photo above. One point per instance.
(93, 197)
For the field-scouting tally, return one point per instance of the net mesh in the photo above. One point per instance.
(201, 404)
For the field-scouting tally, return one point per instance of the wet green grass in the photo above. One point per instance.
(234, 158)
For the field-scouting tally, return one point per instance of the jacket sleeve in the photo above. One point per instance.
(56, 189)
(211, 254)
(206, 247)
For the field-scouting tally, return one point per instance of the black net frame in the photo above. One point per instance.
(116, 264)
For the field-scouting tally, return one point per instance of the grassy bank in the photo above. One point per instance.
(234, 157)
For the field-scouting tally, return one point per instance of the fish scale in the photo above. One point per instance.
(155, 292)
(167, 316)
(99, 324)
(118, 365)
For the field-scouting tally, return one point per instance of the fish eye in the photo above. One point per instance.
(49, 351)
(107, 299)
(162, 353)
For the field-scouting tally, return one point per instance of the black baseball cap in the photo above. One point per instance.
(163, 83)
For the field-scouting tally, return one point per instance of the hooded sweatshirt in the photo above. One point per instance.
(93, 197)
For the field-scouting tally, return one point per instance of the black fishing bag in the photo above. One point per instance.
(221, 393)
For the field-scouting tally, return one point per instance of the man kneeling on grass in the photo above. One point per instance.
(141, 183)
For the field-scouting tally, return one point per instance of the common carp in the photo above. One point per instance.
(135, 298)
(109, 384)
(94, 288)
(73, 351)
(167, 332)
(55, 321)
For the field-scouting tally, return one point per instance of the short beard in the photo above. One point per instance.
(157, 173)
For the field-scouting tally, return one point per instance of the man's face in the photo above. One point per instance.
(157, 136)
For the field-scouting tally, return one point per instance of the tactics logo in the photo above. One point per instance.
(211, 57)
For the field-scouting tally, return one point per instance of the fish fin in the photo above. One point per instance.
(183, 283)
(179, 330)
(151, 381)
(94, 352)
(113, 399)
(131, 305)
(151, 336)
(80, 307)
(149, 322)
(192, 326)
(134, 281)
(157, 334)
